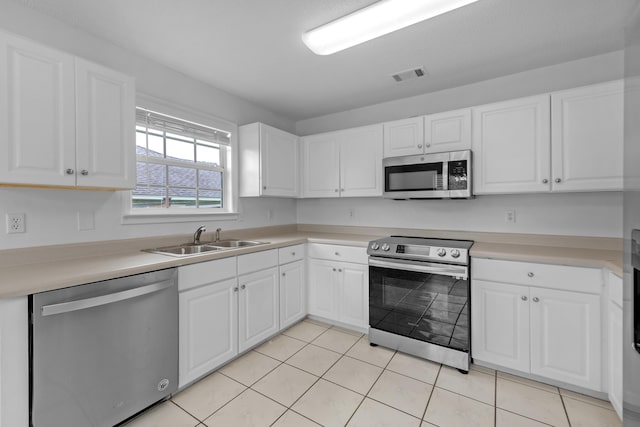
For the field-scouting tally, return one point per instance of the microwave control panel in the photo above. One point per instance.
(458, 175)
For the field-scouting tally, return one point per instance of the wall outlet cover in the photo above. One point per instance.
(16, 223)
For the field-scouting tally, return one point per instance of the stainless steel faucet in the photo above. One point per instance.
(196, 235)
(218, 230)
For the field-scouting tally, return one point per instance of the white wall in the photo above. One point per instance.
(575, 214)
(52, 215)
(600, 68)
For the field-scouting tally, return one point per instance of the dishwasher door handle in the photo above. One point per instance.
(81, 304)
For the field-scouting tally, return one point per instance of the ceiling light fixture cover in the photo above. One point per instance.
(374, 21)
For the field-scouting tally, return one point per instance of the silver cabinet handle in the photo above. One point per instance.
(558, 180)
(84, 172)
(243, 287)
(81, 304)
(545, 181)
(530, 274)
(524, 298)
(536, 299)
(419, 145)
(69, 171)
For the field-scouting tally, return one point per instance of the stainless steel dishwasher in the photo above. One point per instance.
(104, 351)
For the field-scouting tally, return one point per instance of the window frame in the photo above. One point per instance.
(230, 174)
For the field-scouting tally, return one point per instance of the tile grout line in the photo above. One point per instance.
(566, 413)
(495, 398)
(435, 381)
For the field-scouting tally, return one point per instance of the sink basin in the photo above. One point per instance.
(235, 243)
(184, 250)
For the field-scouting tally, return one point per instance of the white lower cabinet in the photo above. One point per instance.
(615, 342)
(208, 328)
(338, 289)
(293, 298)
(14, 362)
(528, 317)
(257, 307)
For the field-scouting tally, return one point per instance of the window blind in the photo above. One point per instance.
(165, 123)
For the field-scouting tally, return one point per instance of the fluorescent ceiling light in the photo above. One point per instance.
(374, 21)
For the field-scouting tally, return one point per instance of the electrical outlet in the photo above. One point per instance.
(352, 213)
(510, 216)
(15, 223)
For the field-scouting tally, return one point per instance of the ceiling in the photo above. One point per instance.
(253, 49)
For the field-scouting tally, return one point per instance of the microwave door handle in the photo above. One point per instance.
(452, 271)
(445, 175)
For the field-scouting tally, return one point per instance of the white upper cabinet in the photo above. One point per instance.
(587, 138)
(511, 146)
(344, 163)
(435, 133)
(268, 162)
(64, 121)
(404, 137)
(37, 114)
(105, 123)
(448, 131)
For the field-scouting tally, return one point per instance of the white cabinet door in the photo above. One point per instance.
(208, 328)
(14, 362)
(615, 361)
(37, 114)
(500, 319)
(353, 296)
(323, 288)
(404, 137)
(105, 127)
(293, 298)
(258, 307)
(361, 162)
(565, 337)
(511, 146)
(279, 156)
(321, 161)
(448, 131)
(587, 138)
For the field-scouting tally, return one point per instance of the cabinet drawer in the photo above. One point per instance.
(290, 254)
(338, 253)
(577, 279)
(191, 276)
(257, 261)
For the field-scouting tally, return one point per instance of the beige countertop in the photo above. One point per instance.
(32, 270)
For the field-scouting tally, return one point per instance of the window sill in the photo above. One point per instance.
(173, 217)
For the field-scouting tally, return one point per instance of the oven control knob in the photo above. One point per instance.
(441, 252)
(455, 253)
(375, 246)
(385, 247)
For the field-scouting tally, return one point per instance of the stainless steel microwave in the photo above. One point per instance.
(428, 176)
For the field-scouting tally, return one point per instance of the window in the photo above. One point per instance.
(181, 166)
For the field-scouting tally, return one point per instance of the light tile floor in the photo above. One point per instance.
(315, 374)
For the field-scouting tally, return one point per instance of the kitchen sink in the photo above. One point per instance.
(184, 250)
(229, 243)
(197, 249)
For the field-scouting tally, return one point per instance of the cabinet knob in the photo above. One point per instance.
(243, 287)
(284, 274)
(428, 145)
(530, 274)
(558, 180)
(342, 189)
(69, 171)
(84, 172)
(536, 299)
(523, 297)
(335, 191)
(235, 289)
(264, 187)
(545, 181)
(339, 270)
(419, 145)
(337, 254)
(334, 269)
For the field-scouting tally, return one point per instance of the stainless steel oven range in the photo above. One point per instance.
(419, 298)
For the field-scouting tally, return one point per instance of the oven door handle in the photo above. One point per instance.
(446, 270)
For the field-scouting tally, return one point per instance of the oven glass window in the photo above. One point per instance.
(426, 177)
(428, 307)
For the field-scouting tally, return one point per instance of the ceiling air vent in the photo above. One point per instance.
(409, 74)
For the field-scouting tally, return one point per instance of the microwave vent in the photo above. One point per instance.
(412, 73)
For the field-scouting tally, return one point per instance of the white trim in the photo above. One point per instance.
(167, 217)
